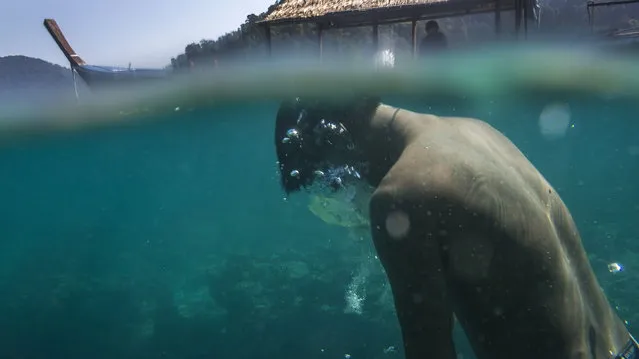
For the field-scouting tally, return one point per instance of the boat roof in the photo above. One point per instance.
(343, 13)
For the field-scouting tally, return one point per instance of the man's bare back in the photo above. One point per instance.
(466, 227)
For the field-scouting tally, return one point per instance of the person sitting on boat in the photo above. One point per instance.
(434, 41)
(464, 226)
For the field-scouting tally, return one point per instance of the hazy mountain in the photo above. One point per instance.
(27, 81)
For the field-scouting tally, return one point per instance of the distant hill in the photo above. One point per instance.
(30, 81)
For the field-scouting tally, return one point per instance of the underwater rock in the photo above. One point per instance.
(297, 269)
(196, 302)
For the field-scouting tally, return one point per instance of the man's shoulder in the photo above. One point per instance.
(420, 181)
(449, 170)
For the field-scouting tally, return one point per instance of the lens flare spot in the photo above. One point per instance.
(397, 224)
(554, 121)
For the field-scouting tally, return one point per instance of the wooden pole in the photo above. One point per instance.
(413, 35)
(498, 18)
(375, 38)
(267, 31)
(525, 18)
(517, 17)
(320, 41)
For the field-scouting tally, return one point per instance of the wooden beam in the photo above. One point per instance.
(609, 3)
(56, 33)
(413, 36)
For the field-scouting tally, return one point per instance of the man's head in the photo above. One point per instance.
(313, 140)
(432, 27)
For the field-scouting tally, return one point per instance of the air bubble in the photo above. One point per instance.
(292, 133)
(301, 116)
(295, 173)
(615, 267)
(390, 349)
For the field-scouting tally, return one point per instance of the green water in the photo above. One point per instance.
(166, 235)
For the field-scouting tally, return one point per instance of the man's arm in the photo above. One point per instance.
(408, 247)
(423, 48)
(443, 42)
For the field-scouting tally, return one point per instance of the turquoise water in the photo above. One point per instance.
(170, 237)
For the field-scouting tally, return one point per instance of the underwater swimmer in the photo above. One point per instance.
(464, 226)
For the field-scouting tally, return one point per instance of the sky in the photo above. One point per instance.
(144, 33)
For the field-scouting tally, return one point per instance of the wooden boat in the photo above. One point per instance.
(99, 76)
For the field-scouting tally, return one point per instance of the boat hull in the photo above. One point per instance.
(108, 76)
